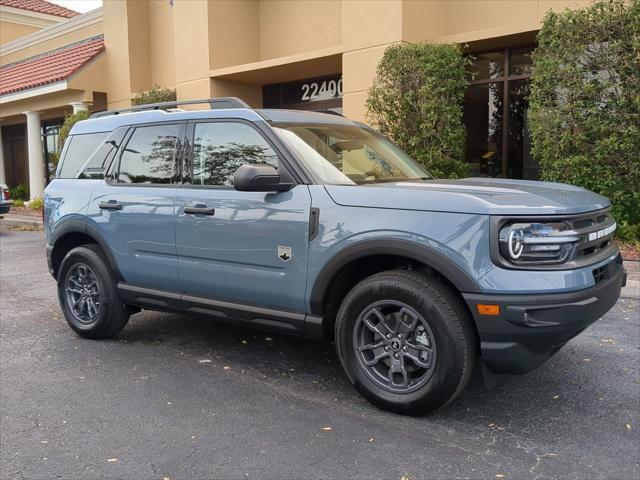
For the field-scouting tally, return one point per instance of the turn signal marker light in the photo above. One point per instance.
(488, 309)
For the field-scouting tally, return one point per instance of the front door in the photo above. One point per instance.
(134, 209)
(244, 247)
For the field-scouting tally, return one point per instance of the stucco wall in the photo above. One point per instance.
(9, 31)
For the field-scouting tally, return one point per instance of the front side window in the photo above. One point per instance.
(78, 149)
(348, 154)
(219, 149)
(148, 156)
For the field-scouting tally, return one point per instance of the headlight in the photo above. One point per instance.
(531, 243)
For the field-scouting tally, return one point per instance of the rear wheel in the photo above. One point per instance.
(405, 341)
(88, 296)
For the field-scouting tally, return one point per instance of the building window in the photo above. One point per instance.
(495, 115)
(50, 135)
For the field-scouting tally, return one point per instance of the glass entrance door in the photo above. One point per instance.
(495, 115)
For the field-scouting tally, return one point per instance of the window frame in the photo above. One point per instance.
(284, 165)
(113, 172)
(505, 80)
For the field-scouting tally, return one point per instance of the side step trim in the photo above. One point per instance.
(286, 321)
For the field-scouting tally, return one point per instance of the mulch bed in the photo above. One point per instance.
(629, 251)
(25, 211)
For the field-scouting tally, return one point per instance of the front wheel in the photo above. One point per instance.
(88, 296)
(405, 341)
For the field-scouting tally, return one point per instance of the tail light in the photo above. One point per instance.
(5, 194)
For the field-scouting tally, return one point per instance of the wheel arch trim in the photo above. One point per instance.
(396, 247)
(75, 226)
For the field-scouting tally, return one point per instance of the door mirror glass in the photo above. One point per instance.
(258, 178)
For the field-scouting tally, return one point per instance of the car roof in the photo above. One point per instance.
(109, 123)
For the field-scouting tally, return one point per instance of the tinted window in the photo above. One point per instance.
(78, 150)
(220, 148)
(148, 156)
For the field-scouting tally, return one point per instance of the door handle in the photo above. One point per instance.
(110, 205)
(199, 210)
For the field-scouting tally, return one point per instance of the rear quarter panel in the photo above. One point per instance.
(65, 201)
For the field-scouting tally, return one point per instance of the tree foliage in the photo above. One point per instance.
(585, 104)
(416, 100)
(70, 121)
(156, 94)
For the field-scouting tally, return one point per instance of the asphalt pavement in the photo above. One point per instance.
(183, 397)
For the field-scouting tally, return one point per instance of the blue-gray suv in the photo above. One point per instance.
(315, 225)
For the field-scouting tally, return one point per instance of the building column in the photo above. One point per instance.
(3, 175)
(36, 155)
(79, 107)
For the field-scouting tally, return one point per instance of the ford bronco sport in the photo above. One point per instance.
(315, 225)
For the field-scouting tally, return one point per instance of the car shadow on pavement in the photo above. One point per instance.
(311, 368)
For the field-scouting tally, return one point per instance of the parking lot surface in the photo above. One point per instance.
(185, 397)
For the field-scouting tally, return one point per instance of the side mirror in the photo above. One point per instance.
(259, 178)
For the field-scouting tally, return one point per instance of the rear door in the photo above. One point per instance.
(245, 247)
(133, 209)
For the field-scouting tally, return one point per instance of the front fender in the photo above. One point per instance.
(419, 252)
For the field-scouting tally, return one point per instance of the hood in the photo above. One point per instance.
(483, 196)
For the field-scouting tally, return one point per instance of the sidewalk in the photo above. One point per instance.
(632, 290)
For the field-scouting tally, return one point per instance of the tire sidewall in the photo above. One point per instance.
(449, 366)
(108, 294)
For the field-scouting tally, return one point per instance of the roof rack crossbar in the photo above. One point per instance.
(214, 104)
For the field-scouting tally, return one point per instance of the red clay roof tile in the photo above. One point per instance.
(49, 67)
(40, 6)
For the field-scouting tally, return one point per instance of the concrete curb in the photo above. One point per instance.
(632, 290)
(10, 219)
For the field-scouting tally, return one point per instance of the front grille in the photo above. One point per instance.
(587, 226)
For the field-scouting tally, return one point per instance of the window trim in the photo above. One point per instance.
(112, 174)
(284, 165)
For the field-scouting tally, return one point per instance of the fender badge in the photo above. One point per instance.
(284, 253)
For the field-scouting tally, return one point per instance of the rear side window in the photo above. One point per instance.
(148, 156)
(96, 166)
(78, 150)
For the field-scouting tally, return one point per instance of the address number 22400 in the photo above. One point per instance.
(321, 90)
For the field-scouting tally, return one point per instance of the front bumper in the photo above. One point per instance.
(531, 328)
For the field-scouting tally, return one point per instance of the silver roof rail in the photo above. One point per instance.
(214, 104)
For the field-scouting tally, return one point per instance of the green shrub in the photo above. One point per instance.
(585, 104)
(19, 192)
(416, 100)
(36, 204)
(156, 94)
(70, 121)
(18, 203)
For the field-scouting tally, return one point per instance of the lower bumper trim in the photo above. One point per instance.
(531, 328)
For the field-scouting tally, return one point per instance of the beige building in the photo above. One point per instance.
(306, 54)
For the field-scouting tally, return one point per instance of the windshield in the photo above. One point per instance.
(348, 155)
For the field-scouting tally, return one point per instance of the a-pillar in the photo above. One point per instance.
(36, 155)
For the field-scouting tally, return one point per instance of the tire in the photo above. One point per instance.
(431, 361)
(86, 280)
